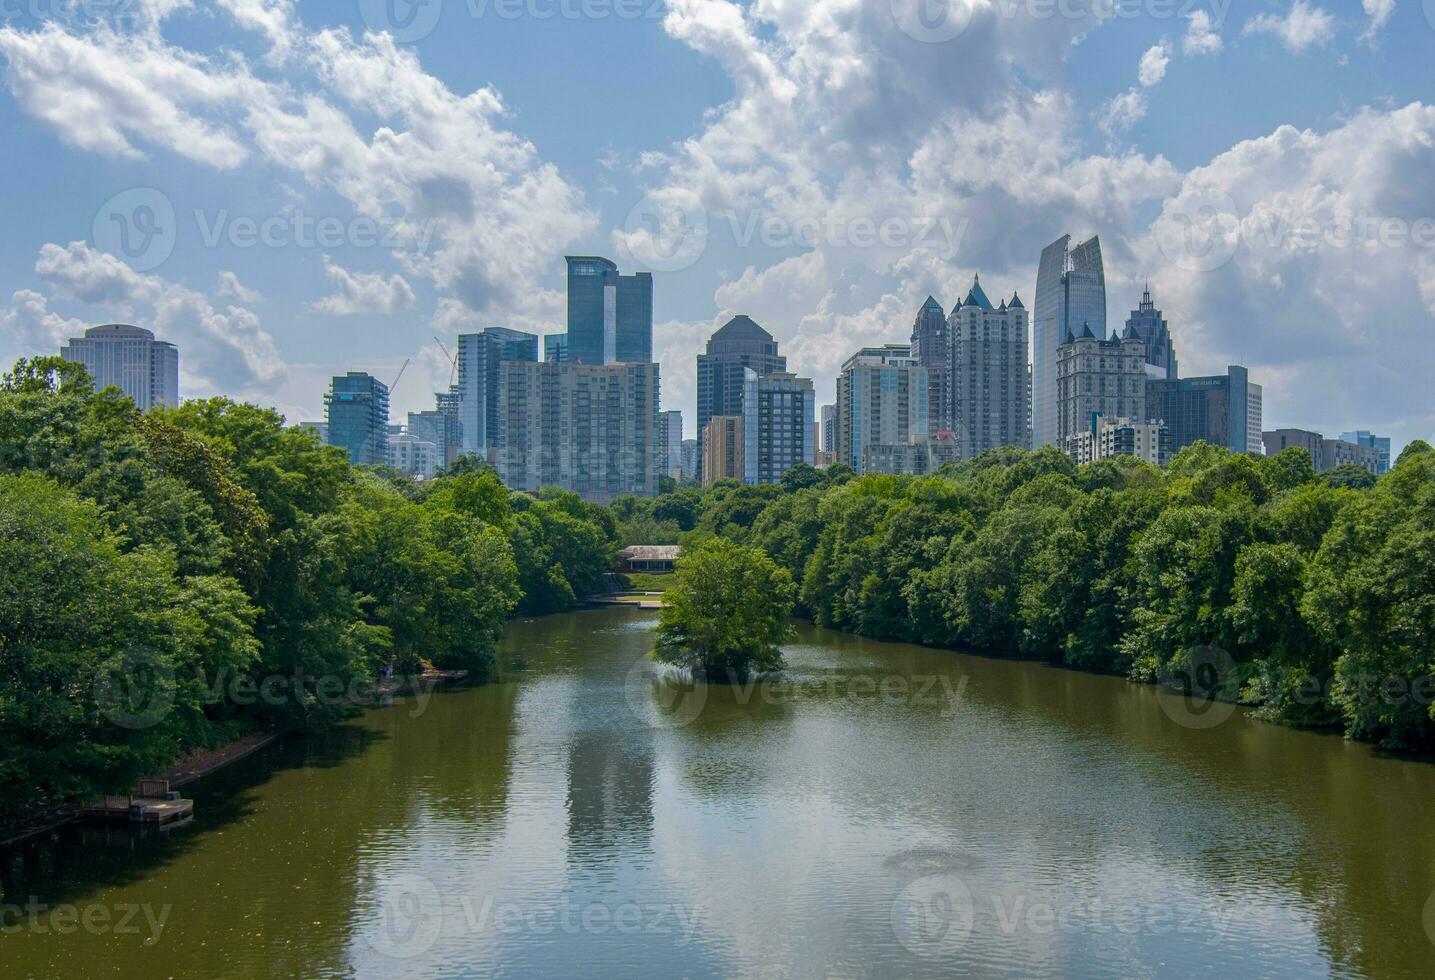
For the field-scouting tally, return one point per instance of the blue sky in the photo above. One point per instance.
(745, 152)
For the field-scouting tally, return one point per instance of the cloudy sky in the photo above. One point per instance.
(288, 193)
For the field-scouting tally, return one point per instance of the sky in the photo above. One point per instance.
(291, 192)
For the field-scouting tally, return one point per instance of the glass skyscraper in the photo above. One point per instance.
(1070, 296)
(1223, 409)
(738, 346)
(356, 409)
(610, 316)
(479, 355)
(1147, 325)
(130, 359)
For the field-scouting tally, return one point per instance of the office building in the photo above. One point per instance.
(738, 346)
(442, 430)
(412, 455)
(881, 400)
(1224, 410)
(989, 374)
(1148, 325)
(1381, 445)
(555, 348)
(778, 427)
(692, 462)
(722, 447)
(931, 349)
(1107, 437)
(128, 358)
(829, 428)
(916, 458)
(588, 428)
(610, 316)
(1070, 296)
(1325, 454)
(356, 410)
(480, 356)
(670, 444)
(1098, 376)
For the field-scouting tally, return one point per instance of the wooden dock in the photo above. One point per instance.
(155, 806)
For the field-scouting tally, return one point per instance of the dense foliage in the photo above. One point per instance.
(726, 612)
(177, 578)
(1308, 596)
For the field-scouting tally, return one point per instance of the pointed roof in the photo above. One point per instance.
(932, 304)
(958, 306)
(1068, 337)
(742, 325)
(1086, 330)
(1015, 303)
(977, 296)
(1002, 308)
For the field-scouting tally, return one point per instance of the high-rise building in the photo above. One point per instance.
(917, 458)
(1224, 410)
(1381, 445)
(555, 347)
(670, 444)
(412, 455)
(829, 428)
(738, 346)
(480, 356)
(881, 400)
(931, 349)
(1108, 437)
(778, 428)
(1148, 325)
(128, 358)
(610, 316)
(443, 430)
(1098, 376)
(588, 428)
(1070, 295)
(692, 463)
(1325, 454)
(989, 375)
(356, 410)
(722, 449)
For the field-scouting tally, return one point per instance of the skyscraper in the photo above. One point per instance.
(931, 349)
(555, 347)
(778, 431)
(1147, 325)
(610, 316)
(1070, 295)
(479, 357)
(356, 410)
(1098, 376)
(589, 428)
(989, 378)
(130, 359)
(723, 449)
(737, 346)
(670, 444)
(1224, 410)
(829, 428)
(443, 430)
(881, 400)
(1381, 444)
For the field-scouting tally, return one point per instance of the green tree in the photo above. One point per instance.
(726, 614)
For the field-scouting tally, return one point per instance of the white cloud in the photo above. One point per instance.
(29, 328)
(1201, 37)
(1120, 112)
(231, 288)
(94, 277)
(272, 18)
(1302, 27)
(1379, 12)
(364, 292)
(1153, 64)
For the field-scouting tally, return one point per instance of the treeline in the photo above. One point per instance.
(1310, 597)
(172, 580)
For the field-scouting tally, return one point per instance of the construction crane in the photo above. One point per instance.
(402, 368)
(452, 361)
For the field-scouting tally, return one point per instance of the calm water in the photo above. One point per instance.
(884, 810)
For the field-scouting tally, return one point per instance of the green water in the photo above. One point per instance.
(882, 810)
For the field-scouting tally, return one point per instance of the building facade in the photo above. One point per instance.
(610, 316)
(1148, 325)
(443, 430)
(413, 455)
(829, 429)
(588, 428)
(1109, 437)
(778, 427)
(881, 400)
(128, 358)
(989, 374)
(1381, 445)
(738, 346)
(670, 444)
(480, 357)
(1325, 454)
(1223, 409)
(692, 462)
(1070, 295)
(555, 347)
(931, 349)
(917, 458)
(722, 447)
(356, 410)
(1098, 376)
